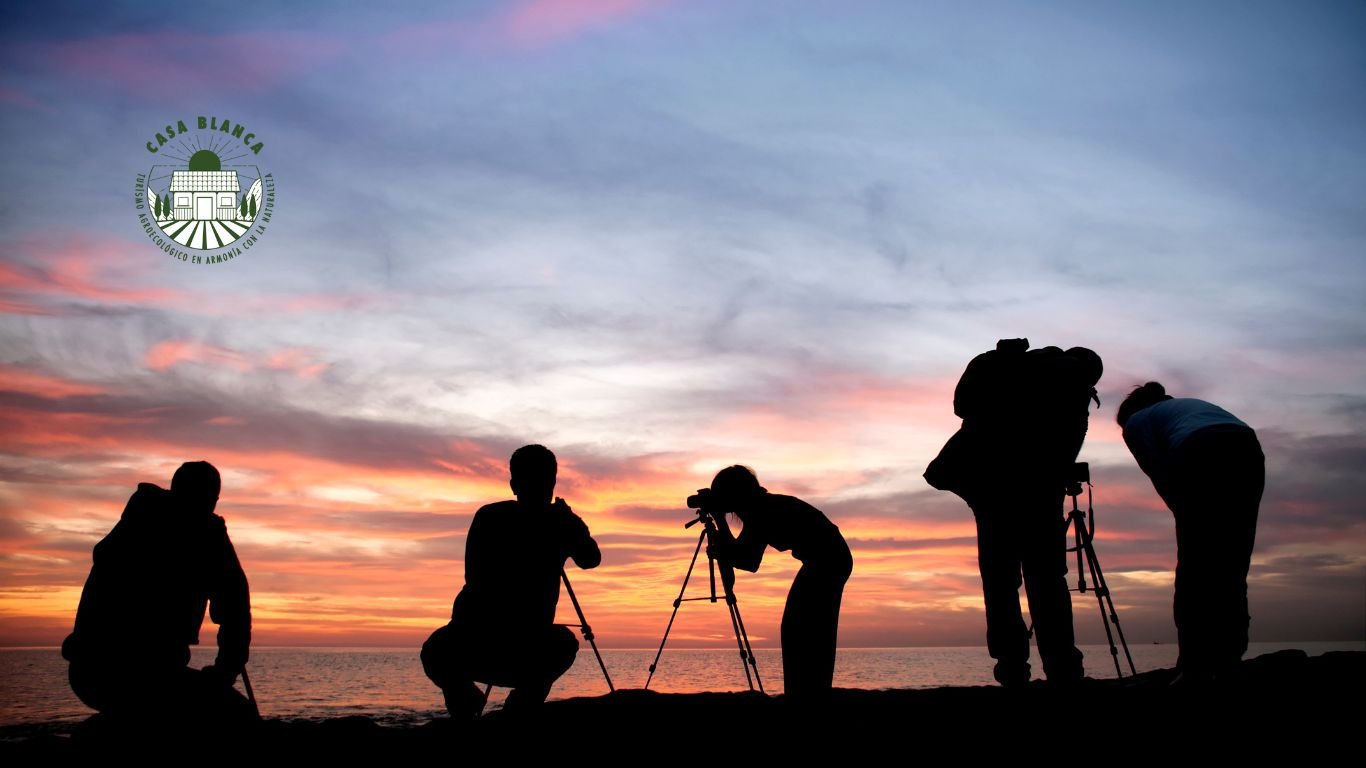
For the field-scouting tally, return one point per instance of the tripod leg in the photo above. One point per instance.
(735, 625)
(677, 602)
(1103, 592)
(587, 630)
(742, 641)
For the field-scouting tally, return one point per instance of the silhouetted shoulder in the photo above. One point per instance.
(498, 508)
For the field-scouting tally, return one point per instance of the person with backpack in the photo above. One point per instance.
(166, 561)
(1024, 418)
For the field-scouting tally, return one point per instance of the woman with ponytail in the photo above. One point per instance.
(1208, 467)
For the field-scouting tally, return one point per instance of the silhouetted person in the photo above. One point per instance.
(502, 629)
(1208, 467)
(143, 604)
(1024, 420)
(811, 617)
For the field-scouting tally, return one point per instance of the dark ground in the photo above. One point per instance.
(1286, 707)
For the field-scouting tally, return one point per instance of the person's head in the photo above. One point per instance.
(533, 470)
(735, 487)
(1089, 362)
(197, 484)
(1151, 393)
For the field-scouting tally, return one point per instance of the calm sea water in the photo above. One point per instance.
(388, 684)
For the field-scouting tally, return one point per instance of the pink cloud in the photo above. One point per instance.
(169, 354)
(21, 99)
(300, 361)
(162, 62)
(529, 24)
(56, 269)
(75, 266)
(19, 379)
(539, 22)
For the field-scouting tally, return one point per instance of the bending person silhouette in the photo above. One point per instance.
(143, 604)
(1208, 467)
(502, 629)
(811, 617)
(1024, 420)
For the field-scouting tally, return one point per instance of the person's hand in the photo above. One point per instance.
(216, 676)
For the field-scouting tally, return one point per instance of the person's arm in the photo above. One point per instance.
(578, 542)
(230, 607)
(1143, 443)
(746, 551)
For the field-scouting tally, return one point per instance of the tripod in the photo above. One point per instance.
(709, 529)
(585, 629)
(582, 625)
(1084, 535)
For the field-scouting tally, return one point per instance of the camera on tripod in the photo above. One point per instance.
(1080, 474)
(707, 504)
(704, 503)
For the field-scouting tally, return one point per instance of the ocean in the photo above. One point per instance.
(387, 684)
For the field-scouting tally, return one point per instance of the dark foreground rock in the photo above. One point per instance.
(1283, 707)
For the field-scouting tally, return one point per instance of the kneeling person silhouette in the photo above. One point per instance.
(166, 561)
(502, 629)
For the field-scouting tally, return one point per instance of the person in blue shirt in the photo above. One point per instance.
(1208, 466)
(810, 623)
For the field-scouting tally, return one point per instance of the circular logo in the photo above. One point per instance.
(205, 198)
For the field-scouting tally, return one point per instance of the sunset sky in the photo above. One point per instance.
(661, 238)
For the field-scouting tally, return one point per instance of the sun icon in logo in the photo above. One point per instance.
(203, 201)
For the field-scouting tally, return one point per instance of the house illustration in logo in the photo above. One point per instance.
(205, 192)
(205, 206)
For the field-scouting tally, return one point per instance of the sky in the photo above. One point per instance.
(661, 238)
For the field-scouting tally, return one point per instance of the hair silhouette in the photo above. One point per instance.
(1143, 396)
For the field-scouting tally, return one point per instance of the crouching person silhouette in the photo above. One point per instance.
(502, 629)
(811, 616)
(168, 558)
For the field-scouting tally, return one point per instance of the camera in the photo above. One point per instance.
(1079, 474)
(701, 500)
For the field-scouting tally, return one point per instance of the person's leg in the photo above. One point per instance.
(1218, 490)
(207, 702)
(999, 563)
(446, 663)
(810, 630)
(91, 687)
(547, 657)
(1044, 563)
